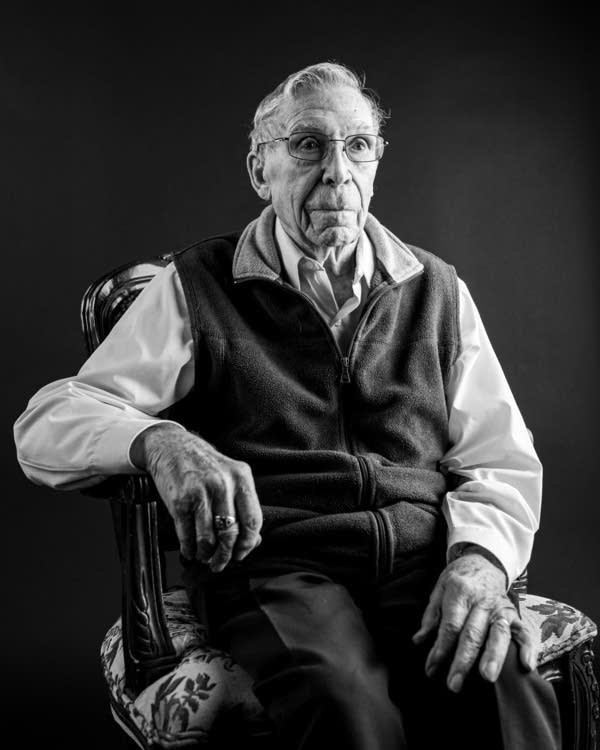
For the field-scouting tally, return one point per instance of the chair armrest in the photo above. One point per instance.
(147, 647)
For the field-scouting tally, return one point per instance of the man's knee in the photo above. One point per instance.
(336, 683)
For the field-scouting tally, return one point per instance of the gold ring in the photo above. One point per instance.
(498, 620)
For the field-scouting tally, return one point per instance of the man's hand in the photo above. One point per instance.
(470, 605)
(197, 483)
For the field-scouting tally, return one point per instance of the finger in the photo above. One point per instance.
(497, 643)
(431, 615)
(224, 549)
(220, 489)
(205, 534)
(470, 642)
(528, 647)
(245, 547)
(186, 533)
(455, 610)
(249, 515)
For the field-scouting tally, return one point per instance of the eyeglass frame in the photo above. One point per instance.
(330, 140)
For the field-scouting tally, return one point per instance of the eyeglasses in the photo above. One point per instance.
(361, 147)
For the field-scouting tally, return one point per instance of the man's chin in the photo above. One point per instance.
(336, 236)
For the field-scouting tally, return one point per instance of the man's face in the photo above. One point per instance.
(321, 204)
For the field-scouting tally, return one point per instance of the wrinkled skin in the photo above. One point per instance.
(474, 619)
(196, 482)
(322, 205)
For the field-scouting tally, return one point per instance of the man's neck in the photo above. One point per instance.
(341, 278)
(338, 261)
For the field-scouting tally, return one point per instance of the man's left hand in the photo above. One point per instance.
(472, 613)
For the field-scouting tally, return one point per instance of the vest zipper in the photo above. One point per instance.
(345, 377)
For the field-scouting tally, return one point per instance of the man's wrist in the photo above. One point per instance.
(141, 445)
(471, 548)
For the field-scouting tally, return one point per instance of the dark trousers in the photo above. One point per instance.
(335, 667)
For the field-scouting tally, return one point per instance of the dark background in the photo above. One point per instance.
(124, 135)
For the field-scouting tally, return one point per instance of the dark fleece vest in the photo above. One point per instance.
(344, 446)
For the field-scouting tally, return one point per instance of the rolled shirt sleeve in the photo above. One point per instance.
(76, 431)
(498, 499)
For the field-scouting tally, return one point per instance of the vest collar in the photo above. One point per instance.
(256, 254)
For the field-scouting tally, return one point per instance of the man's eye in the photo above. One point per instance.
(308, 144)
(359, 144)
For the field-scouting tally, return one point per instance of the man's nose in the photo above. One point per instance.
(336, 165)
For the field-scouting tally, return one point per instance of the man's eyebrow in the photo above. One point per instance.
(307, 125)
(311, 126)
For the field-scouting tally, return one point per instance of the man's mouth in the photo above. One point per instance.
(330, 208)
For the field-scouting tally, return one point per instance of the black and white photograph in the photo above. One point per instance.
(301, 359)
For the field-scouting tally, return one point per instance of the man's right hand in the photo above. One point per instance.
(197, 483)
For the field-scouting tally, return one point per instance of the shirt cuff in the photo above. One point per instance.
(110, 452)
(491, 540)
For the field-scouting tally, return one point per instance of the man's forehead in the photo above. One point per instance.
(336, 106)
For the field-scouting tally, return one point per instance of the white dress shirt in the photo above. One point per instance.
(76, 431)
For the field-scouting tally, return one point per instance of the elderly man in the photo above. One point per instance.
(342, 404)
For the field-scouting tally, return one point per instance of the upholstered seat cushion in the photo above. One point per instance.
(182, 707)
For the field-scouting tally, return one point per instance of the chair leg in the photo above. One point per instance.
(134, 739)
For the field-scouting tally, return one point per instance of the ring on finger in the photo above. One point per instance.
(498, 619)
(224, 523)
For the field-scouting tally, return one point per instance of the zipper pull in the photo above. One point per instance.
(345, 370)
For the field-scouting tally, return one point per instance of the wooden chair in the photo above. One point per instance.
(169, 687)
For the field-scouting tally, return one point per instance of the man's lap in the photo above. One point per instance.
(301, 625)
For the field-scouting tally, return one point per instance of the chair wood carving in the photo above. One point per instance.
(135, 504)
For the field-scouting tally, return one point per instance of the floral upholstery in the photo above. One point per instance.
(181, 708)
(558, 627)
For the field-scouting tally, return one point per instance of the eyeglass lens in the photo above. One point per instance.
(314, 146)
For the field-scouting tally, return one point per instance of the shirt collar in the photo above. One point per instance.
(256, 254)
(291, 255)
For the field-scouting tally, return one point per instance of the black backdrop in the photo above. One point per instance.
(125, 135)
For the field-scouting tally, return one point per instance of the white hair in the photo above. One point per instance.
(308, 79)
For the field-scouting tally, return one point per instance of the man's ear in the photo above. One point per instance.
(256, 170)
